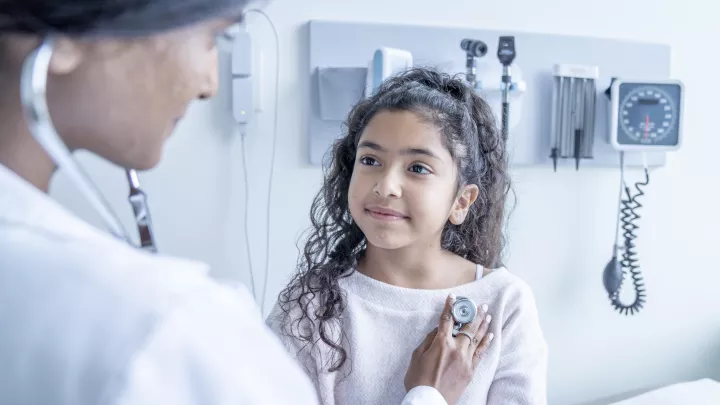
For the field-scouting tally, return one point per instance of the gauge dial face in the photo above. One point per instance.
(648, 114)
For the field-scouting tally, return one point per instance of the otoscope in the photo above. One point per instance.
(506, 54)
(474, 49)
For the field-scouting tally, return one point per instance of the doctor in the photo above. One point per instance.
(85, 318)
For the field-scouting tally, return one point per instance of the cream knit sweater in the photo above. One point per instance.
(383, 324)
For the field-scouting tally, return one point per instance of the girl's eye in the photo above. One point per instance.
(368, 161)
(419, 169)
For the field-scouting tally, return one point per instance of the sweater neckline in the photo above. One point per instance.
(412, 299)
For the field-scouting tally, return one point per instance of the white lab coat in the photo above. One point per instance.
(86, 319)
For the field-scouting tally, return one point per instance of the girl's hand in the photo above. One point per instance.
(445, 362)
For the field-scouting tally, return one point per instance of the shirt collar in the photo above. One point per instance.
(23, 204)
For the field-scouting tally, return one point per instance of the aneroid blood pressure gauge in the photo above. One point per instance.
(646, 115)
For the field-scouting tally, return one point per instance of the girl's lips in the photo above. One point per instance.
(385, 214)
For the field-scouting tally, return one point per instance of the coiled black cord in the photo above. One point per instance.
(629, 262)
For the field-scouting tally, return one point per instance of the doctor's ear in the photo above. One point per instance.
(465, 199)
(67, 55)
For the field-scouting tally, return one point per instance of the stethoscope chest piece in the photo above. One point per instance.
(463, 312)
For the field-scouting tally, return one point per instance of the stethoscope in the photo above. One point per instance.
(33, 94)
(463, 312)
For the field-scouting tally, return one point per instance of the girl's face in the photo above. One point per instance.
(404, 184)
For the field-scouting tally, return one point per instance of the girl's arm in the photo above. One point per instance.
(521, 376)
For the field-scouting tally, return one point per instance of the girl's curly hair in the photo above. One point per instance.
(313, 301)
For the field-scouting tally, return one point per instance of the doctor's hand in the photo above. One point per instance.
(445, 362)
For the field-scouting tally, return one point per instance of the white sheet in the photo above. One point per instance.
(700, 392)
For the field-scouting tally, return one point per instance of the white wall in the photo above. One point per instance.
(197, 195)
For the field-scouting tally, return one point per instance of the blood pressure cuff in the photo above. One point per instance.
(111, 18)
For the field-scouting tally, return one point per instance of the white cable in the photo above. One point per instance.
(247, 213)
(274, 147)
(620, 196)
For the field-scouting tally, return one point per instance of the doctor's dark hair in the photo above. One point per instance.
(114, 18)
(313, 301)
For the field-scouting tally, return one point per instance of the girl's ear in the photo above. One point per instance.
(464, 200)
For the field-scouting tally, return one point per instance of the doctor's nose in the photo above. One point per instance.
(388, 186)
(209, 85)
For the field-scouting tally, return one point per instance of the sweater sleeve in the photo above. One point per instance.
(299, 350)
(521, 376)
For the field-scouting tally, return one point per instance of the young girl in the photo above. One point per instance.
(411, 210)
